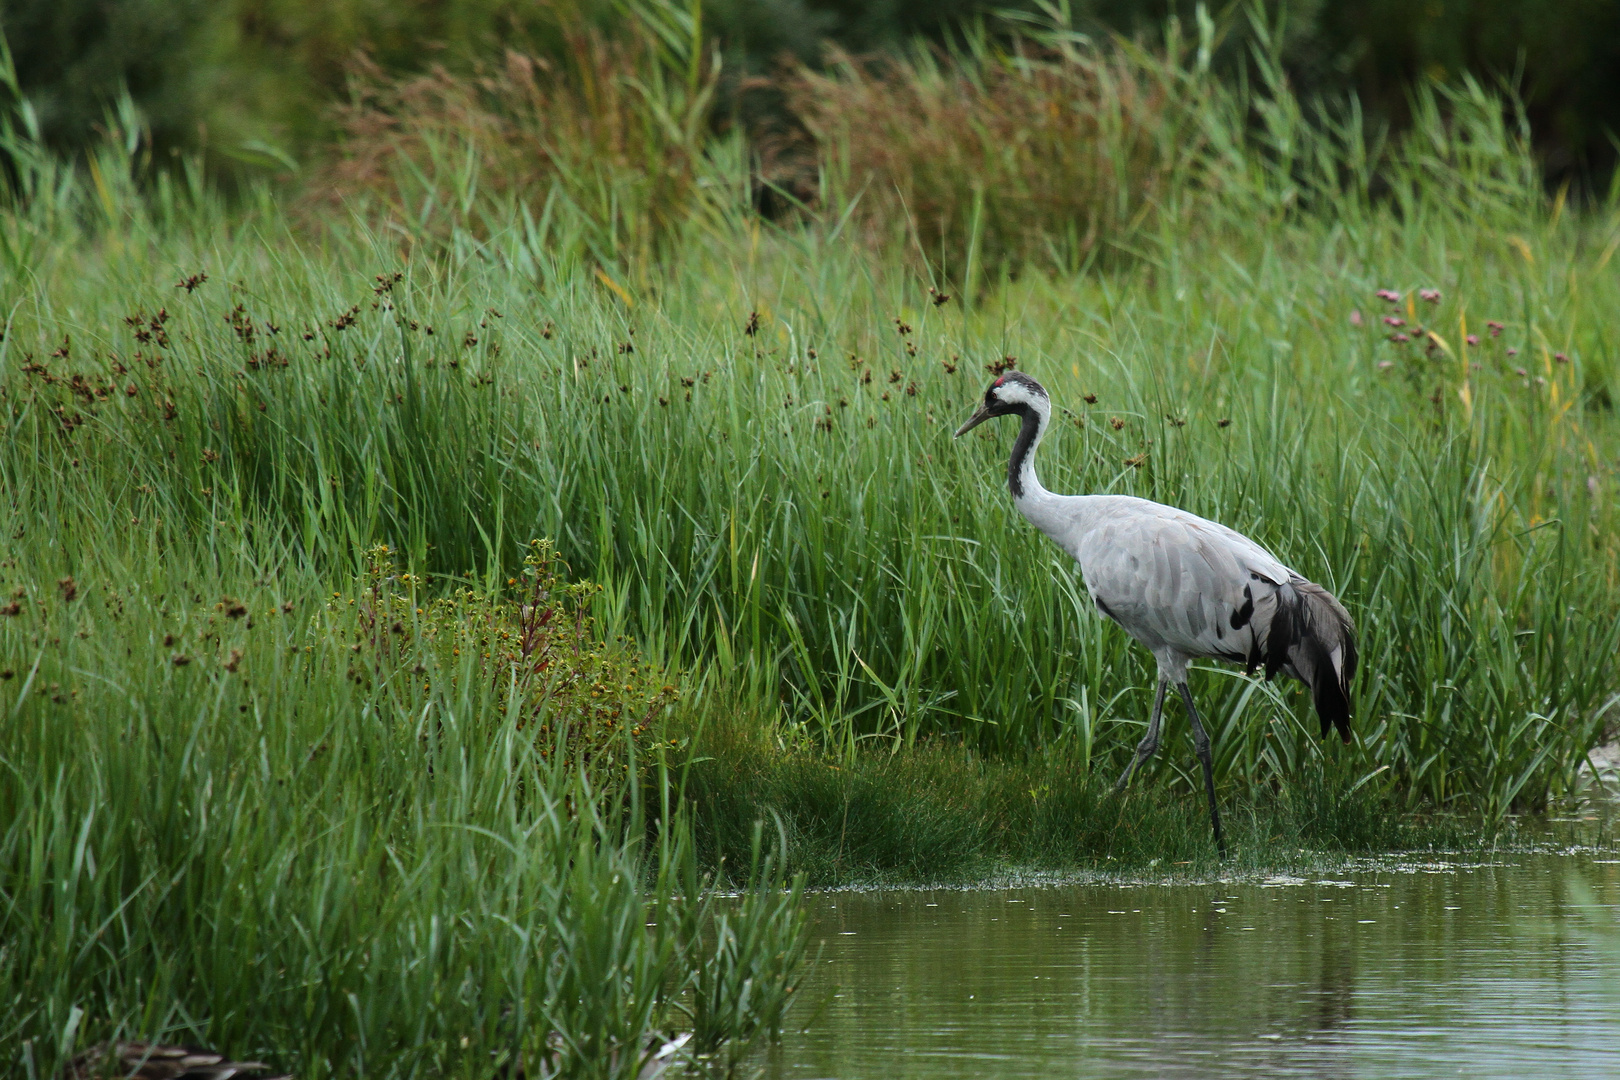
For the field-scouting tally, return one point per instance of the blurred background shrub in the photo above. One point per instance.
(978, 158)
(614, 123)
(254, 82)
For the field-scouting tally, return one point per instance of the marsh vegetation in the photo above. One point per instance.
(422, 810)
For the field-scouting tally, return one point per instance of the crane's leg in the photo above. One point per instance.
(1150, 741)
(1201, 744)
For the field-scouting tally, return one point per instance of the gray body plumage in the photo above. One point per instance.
(1171, 579)
(1189, 588)
(1183, 586)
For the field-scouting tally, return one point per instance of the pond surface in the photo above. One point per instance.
(1509, 968)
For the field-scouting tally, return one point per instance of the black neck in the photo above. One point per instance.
(1022, 449)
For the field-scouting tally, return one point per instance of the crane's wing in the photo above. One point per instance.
(1178, 581)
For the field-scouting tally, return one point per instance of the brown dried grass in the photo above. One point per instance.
(607, 127)
(1033, 155)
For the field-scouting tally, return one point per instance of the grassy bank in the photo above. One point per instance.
(270, 821)
(946, 814)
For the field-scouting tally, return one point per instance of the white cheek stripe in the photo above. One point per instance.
(1014, 393)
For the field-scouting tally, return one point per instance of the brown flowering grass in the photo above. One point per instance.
(533, 642)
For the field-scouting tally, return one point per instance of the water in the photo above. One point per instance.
(1504, 969)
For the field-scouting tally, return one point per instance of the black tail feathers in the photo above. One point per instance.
(1312, 637)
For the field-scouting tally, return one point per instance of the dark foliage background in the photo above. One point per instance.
(251, 80)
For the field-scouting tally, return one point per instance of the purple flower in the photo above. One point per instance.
(1496, 328)
(1519, 371)
(1389, 294)
(1560, 357)
(1399, 339)
(1391, 320)
(1513, 352)
(1355, 318)
(1473, 339)
(1385, 365)
(1431, 295)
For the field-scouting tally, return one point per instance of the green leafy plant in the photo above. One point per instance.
(534, 643)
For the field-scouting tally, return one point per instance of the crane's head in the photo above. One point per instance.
(1013, 392)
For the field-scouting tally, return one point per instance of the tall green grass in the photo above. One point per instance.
(217, 829)
(798, 514)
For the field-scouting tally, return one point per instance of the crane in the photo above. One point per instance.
(1184, 587)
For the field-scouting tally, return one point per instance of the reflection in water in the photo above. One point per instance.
(1425, 971)
(1335, 987)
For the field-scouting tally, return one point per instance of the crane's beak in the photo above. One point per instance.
(972, 422)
